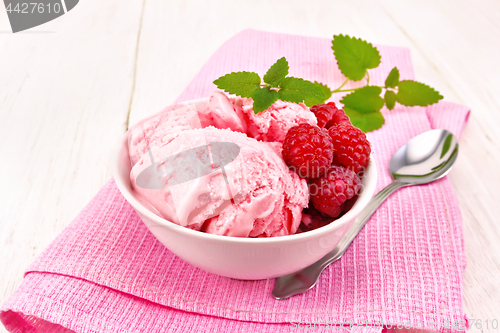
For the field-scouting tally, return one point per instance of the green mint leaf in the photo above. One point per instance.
(392, 79)
(390, 99)
(313, 100)
(364, 100)
(354, 56)
(297, 90)
(366, 122)
(326, 91)
(276, 73)
(412, 93)
(263, 99)
(244, 84)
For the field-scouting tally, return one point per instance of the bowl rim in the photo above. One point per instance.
(123, 185)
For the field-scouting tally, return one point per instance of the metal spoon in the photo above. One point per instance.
(423, 159)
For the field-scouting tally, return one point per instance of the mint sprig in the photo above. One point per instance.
(412, 93)
(390, 98)
(367, 122)
(276, 73)
(264, 98)
(364, 100)
(244, 84)
(297, 90)
(277, 85)
(354, 58)
(392, 79)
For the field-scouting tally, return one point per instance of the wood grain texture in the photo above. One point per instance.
(67, 95)
(63, 105)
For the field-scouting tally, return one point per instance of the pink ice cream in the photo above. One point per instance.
(161, 129)
(274, 123)
(221, 112)
(217, 167)
(262, 197)
(237, 114)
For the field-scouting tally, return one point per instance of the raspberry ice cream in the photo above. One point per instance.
(161, 129)
(237, 114)
(262, 197)
(274, 123)
(221, 112)
(216, 166)
(251, 194)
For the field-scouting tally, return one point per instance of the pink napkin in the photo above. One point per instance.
(107, 273)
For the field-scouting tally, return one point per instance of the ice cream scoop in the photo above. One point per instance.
(221, 182)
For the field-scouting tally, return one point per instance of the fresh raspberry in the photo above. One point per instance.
(339, 117)
(312, 219)
(308, 150)
(330, 192)
(329, 115)
(323, 113)
(351, 147)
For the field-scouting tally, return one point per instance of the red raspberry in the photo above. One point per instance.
(313, 219)
(308, 150)
(339, 117)
(329, 115)
(351, 147)
(323, 113)
(330, 192)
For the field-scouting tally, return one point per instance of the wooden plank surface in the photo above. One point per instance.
(64, 99)
(69, 86)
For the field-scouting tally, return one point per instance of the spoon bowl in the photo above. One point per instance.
(423, 159)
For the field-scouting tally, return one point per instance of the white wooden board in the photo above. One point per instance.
(69, 86)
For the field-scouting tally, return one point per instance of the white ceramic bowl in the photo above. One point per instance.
(242, 258)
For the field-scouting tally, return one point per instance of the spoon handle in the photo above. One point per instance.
(364, 216)
(305, 279)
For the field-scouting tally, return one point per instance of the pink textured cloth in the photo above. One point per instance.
(107, 273)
